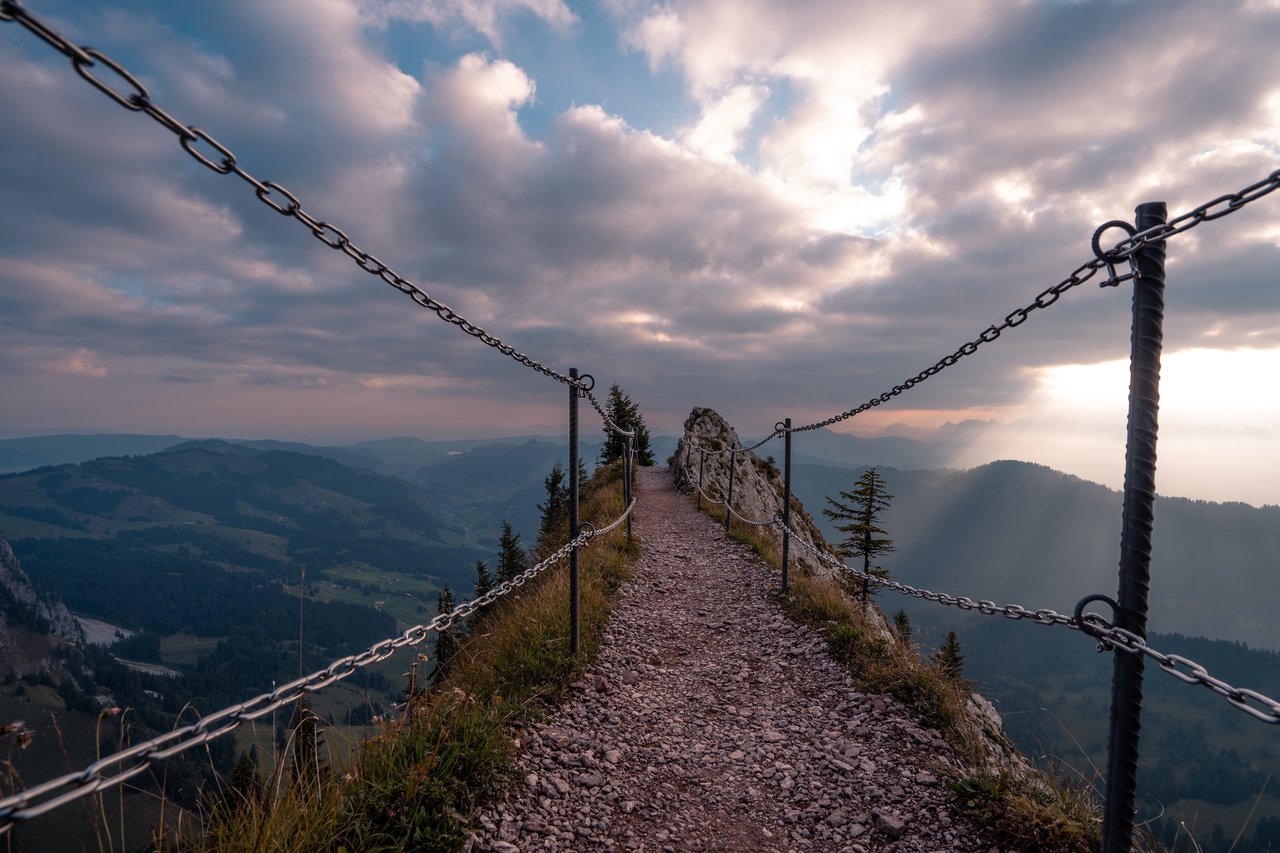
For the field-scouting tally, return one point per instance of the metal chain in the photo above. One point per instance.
(138, 758)
(768, 522)
(1107, 635)
(739, 449)
(1014, 318)
(1216, 209)
(1239, 697)
(222, 160)
(1041, 616)
(708, 497)
(1229, 203)
(586, 384)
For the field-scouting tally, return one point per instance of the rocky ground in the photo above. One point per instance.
(710, 721)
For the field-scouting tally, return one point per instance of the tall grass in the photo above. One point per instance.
(414, 784)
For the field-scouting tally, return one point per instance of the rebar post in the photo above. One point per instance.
(786, 499)
(573, 511)
(628, 457)
(1136, 532)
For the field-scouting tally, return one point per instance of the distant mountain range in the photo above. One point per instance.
(1011, 529)
(23, 454)
(1024, 533)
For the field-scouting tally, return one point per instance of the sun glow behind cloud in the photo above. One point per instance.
(1219, 424)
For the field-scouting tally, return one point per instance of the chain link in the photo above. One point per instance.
(222, 160)
(138, 758)
(770, 522)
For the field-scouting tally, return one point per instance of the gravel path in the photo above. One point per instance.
(710, 721)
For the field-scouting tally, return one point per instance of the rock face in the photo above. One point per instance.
(757, 483)
(757, 490)
(18, 594)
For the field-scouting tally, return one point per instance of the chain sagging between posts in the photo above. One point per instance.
(127, 91)
(222, 160)
(1109, 637)
(134, 760)
(1103, 260)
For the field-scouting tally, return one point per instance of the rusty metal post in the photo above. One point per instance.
(728, 504)
(786, 499)
(574, 530)
(1135, 537)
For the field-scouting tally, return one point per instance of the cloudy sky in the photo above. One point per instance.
(772, 209)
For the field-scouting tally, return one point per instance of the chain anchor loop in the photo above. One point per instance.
(1093, 624)
(1108, 258)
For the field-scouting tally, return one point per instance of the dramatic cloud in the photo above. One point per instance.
(814, 202)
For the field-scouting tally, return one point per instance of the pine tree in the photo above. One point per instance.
(555, 511)
(583, 477)
(861, 510)
(244, 784)
(626, 414)
(512, 560)
(484, 580)
(446, 642)
(948, 657)
(902, 624)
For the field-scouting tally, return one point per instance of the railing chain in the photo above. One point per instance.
(224, 162)
(24, 806)
(1091, 624)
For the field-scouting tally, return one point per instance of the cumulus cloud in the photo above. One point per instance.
(486, 17)
(861, 189)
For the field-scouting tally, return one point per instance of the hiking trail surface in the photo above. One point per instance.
(712, 722)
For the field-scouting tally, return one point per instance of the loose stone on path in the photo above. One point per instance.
(711, 722)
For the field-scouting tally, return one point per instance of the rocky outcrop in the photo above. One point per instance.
(702, 457)
(20, 599)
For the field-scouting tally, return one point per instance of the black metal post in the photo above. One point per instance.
(786, 500)
(728, 504)
(627, 458)
(573, 511)
(702, 464)
(1135, 537)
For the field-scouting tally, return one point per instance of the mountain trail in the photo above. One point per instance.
(712, 722)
